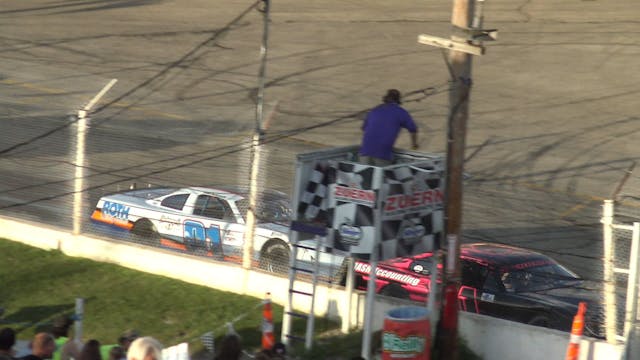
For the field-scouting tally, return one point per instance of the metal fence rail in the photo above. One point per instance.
(621, 269)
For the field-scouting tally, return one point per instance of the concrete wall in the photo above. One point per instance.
(494, 338)
(489, 337)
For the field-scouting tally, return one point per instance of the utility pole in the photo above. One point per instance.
(460, 67)
(256, 144)
(465, 41)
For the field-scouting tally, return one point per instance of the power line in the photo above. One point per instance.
(226, 150)
(145, 83)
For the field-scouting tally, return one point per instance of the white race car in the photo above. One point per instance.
(209, 220)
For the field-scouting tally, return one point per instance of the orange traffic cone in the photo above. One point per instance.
(576, 333)
(268, 339)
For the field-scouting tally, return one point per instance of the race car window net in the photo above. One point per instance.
(491, 283)
(269, 209)
(473, 274)
(212, 207)
(539, 278)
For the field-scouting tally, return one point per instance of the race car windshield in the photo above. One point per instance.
(268, 209)
(538, 278)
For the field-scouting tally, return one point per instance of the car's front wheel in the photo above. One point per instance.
(539, 320)
(274, 256)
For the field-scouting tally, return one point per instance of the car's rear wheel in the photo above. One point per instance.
(274, 256)
(396, 291)
(145, 232)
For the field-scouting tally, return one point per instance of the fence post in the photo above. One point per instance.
(78, 320)
(632, 282)
(609, 276)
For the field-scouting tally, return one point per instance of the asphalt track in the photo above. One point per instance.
(553, 126)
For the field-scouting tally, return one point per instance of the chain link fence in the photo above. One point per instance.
(624, 273)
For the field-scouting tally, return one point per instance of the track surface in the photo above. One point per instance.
(552, 129)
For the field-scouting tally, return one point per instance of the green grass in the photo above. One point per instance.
(38, 285)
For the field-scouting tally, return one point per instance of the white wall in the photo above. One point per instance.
(493, 339)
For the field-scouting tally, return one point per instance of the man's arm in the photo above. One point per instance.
(414, 140)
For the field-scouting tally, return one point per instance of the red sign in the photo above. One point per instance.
(415, 201)
(358, 196)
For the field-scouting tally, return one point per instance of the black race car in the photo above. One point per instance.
(500, 281)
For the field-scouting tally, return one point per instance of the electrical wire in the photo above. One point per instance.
(225, 151)
(145, 83)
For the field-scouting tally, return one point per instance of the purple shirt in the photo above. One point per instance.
(381, 128)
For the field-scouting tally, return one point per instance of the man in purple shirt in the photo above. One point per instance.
(381, 128)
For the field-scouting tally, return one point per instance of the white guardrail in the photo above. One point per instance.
(488, 337)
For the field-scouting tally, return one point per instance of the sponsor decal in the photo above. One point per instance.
(353, 195)
(115, 210)
(414, 232)
(403, 204)
(412, 344)
(350, 235)
(487, 297)
(381, 273)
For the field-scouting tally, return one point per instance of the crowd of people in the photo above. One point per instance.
(56, 344)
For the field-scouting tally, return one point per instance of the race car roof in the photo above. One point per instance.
(502, 255)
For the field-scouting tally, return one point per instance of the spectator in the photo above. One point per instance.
(145, 348)
(7, 340)
(65, 349)
(117, 353)
(127, 338)
(42, 347)
(230, 348)
(381, 128)
(124, 341)
(91, 351)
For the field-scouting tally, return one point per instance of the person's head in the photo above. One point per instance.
(7, 339)
(43, 345)
(392, 96)
(145, 348)
(117, 353)
(230, 348)
(127, 338)
(91, 350)
(61, 326)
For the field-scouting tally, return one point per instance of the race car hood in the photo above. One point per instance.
(140, 197)
(568, 298)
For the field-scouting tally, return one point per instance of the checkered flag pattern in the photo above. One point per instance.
(312, 205)
(343, 196)
(414, 234)
(412, 211)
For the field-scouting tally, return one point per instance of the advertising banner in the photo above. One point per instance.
(396, 210)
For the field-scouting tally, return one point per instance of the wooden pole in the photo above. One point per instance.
(460, 67)
(256, 146)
